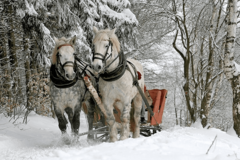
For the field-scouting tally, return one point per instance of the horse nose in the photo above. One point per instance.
(97, 67)
(70, 77)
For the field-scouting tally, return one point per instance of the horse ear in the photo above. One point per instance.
(111, 32)
(95, 30)
(73, 40)
(55, 39)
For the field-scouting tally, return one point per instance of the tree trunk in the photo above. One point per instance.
(175, 106)
(27, 68)
(229, 64)
(5, 64)
(205, 105)
(13, 56)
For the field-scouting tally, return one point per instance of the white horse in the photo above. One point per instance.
(116, 83)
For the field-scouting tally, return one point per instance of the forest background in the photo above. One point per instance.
(181, 44)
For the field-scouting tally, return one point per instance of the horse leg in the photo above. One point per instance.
(69, 112)
(90, 116)
(125, 117)
(113, 128)
(111, 122)
(76, 119)
(137, 111)
(62, 122)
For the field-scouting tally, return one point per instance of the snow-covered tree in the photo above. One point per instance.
(231, 68)
(28, 27)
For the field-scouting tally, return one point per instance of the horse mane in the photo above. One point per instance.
(61, 41)
(113, 38)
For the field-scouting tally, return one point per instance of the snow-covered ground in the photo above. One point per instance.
(40, 140)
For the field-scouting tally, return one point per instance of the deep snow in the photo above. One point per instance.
(40, 139)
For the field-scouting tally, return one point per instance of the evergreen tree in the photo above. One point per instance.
(28, 27)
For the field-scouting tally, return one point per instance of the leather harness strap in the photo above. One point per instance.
(64, 45)
(118, 72)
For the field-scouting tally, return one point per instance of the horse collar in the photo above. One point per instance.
(118, 72)
(58, 80)
(56, 75)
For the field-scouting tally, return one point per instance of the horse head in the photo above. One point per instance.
(64, 56)
(106, 48)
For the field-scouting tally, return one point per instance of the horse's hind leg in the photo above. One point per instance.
(137, 111)
(125, 117)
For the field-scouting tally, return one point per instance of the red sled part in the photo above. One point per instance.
(159, 99)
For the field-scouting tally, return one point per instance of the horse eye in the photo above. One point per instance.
(106, 46)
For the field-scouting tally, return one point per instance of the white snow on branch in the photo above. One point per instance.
(128, 13)
(40, 4)
(48, 42)
(20, 13)
(120, 3)
(47, 61)
(237, 69)
(151, 66)
(125, 15)
(43, 29)
(30, 9)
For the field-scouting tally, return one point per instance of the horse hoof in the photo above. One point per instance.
(136, 135)
(66, 139)
(113, 140)
(91, 141)
(123, 138)
(90, 136)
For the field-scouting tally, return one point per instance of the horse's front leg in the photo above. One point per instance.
(90, 116)
(137, 114)
(111, 122)
(125, 117)
(76, 119)
(62, 122)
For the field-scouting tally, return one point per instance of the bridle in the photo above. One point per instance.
(67, 63)
(105, 57)
(57, 72)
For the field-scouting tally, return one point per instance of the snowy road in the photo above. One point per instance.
(40, 140)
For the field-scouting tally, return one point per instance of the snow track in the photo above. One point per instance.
(40, 140)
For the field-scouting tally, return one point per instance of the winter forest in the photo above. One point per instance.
(189, 47)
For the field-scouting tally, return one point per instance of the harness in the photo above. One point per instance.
(57, 71)
(60, 81)
(119, 71)
(103, 57)
(116, 73)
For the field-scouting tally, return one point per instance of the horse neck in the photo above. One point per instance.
(114, 65)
